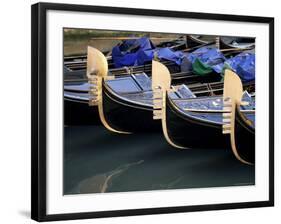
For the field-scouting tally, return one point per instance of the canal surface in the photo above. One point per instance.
(96, 160)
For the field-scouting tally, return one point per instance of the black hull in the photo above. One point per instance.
(244, 138)
(225, 43)
(192, 41)
(186, 131)
(125, 116)
(80, 113)
(175, 45)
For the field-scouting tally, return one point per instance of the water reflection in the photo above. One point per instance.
(96, 160)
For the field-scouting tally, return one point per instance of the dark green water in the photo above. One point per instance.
(96, 160)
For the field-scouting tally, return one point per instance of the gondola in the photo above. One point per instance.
(185, 128)
(77, 110)
(193, 41)
(238, 125)
(190, 123)
(76, 96)
(177, 44)
(76, 91)
(76, 100)
(75, 86)
(117, 98)
(126, 104)
(245, 43)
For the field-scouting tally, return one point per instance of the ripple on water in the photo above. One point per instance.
(100, 182)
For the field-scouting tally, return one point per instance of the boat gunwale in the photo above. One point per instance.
(186, 112)
(76, 101)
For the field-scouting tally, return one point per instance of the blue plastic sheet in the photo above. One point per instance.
(143, 57)
(128, 53)
(242, 64)
(170, 55)
(208, 56)
(141, 51)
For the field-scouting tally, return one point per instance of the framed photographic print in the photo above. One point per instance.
(138, 111)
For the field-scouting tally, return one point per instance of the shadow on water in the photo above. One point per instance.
(96, 160)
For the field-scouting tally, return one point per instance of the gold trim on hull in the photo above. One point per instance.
(232, 96)
(161, 83)
(97, 70)
(232, 137)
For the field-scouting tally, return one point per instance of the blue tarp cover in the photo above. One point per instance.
(128, 53)
(170, 55)
(208, 56)
(141, 51)
(243, 64)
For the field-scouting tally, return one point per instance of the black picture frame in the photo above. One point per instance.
(38, 108)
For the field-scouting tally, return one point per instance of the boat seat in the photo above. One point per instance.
(143, 81)
(183, 92)
(131, 84)
(212, 103)
(123, 85)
